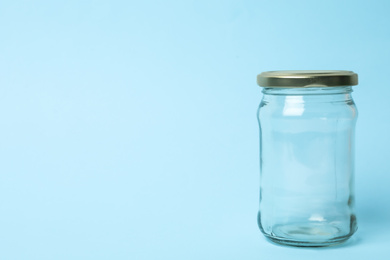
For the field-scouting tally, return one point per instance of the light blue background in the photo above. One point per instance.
(128, 128)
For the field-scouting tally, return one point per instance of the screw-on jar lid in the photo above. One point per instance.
(307, 78)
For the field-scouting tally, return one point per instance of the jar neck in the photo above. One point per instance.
(300, 91)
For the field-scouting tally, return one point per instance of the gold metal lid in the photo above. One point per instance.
(307, 78)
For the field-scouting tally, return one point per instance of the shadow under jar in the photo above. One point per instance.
(307, 122)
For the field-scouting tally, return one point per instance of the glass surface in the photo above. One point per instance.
(307, 165)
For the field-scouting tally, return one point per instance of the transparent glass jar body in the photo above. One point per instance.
(307, 165)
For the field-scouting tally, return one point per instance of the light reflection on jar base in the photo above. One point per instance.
(309, 234)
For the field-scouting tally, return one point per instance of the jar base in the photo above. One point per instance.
(308, 235)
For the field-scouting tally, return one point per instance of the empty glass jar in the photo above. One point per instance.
(307, 123)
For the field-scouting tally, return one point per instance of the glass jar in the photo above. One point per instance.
(307, 123)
